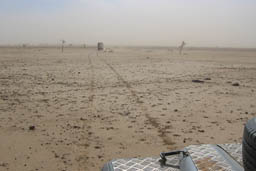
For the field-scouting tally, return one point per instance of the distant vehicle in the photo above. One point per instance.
(100, 46)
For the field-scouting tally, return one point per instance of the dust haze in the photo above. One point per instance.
(118, 22)
(160, 80)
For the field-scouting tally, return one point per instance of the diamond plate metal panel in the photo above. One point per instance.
(207, 158)
(234, 150)
(146, 164)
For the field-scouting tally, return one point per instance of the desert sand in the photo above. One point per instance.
(79, 109)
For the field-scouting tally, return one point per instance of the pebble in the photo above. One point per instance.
(31, 128)
(197, 81)
(235, 84)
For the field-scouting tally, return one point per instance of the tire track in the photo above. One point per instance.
(83, 158)
(92, 82)
(151, 120)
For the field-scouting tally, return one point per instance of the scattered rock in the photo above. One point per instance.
(32, 127)
(3, 164)
(201, 130)
(139, 101)
(229, 121)
(235, 84)
(176, 135)
(197, 81)
(82, 119)
(76, 127)
(175, 110)
(127, 113)
(207, 79)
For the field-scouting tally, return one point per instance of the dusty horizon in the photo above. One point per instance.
(129, 23)
(70, 45)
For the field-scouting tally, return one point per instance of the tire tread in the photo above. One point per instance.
(249, 145)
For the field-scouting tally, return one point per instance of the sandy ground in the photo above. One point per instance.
(89, 107)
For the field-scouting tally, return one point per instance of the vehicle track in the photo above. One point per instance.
(83, 159)
(92, 82)
(151, 120)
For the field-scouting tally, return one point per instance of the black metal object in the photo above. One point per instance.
(163, 155)
(185, 161)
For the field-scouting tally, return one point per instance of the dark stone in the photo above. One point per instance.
(201, 130)
(197, 81)
(76, 127)
(235, 84)
(3, 164)
(127, 113)
(82, 119)
(31, 128)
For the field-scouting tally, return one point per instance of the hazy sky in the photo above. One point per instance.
(229, 23)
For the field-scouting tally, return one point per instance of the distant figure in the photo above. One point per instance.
(181, 47)
(24, 45)
(62, 45)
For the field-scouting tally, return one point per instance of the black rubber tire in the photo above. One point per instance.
(248, 166)
(248, 154)
(249, 145)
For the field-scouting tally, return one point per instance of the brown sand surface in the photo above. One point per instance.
(89, 107)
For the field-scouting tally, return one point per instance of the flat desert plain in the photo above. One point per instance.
(79, 109)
